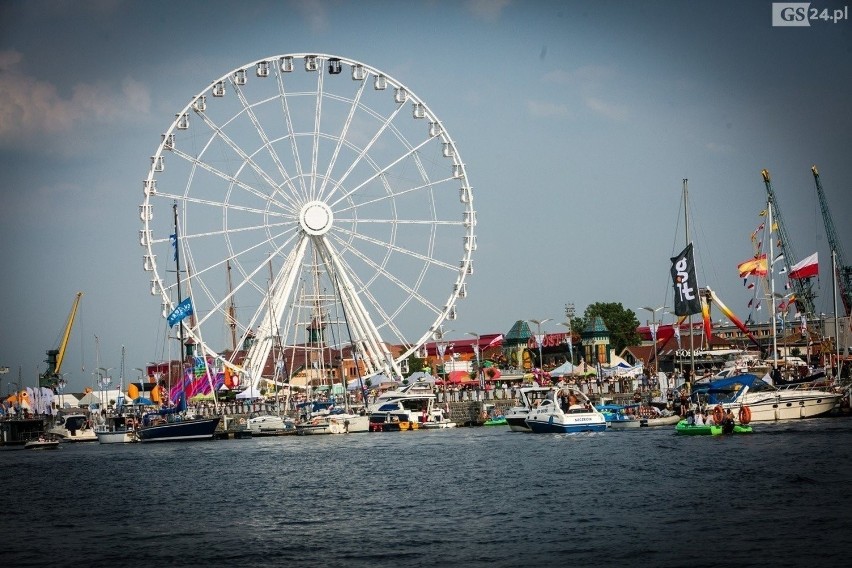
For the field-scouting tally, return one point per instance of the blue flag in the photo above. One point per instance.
(181, 311)
(173, 240)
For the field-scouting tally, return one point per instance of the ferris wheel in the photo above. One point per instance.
(309, 189)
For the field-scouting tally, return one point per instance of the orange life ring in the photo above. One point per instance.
(745, 415)
(718, 414)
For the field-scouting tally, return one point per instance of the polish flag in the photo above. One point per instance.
(807, 268)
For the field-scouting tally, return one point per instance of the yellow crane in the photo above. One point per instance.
(55, 356)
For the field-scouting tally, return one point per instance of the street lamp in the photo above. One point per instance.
(654, 328)
(441, 346)
(570, 339)
(478, 366)
(105, 381)
(539, 339)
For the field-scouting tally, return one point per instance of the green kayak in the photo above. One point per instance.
(496, 421)
(685, 429)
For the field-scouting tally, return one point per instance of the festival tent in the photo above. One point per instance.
(249, 393)
(565, 368)
(420, 376)
(90, 398)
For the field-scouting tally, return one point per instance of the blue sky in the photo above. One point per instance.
(577, 122)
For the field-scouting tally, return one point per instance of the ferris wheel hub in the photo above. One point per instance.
(316, 218)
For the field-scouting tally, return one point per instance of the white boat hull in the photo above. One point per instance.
(792, 405)
(349, 424)
(116, 436)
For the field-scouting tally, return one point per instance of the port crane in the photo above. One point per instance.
(51, 376)
(844, 271)
(803, 288)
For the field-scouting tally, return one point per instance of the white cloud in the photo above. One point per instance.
(487, 10)
(33, 108)
(314, 13)
(608, 110)
(543, 109)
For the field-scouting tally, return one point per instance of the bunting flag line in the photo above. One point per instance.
(777, 258)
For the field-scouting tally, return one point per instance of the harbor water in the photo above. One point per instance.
(461, 497)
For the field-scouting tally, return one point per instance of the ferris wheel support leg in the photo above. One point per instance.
(367, 335)
(259, 351)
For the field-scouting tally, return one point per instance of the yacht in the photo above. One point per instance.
(766, 402)
(75, 427)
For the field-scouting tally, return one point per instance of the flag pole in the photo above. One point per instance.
(686, 225)
(772, 288)
(182, 378)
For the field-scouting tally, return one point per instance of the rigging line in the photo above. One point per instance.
(341, 137)
(381, 172)
(288, 206)
(353, 347)
(285, 108)
(247, 160)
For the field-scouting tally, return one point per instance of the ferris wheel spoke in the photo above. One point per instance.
(341, 137)
(363, 153)
(246, 158)
(316, 132)
(381, 171)
(431, 185)
(392, 247)
(289, 206)
(285, 108)
(267, 143)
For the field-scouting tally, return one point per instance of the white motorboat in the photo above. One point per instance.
(764, 401)
(516, 417)
(116, 430)
(348, 423)
(270, 424)
(566, 410)
(409, 408)
(74, 428)
(42, 441)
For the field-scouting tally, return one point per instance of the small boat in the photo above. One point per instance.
(410, 408)
(75, 427)
(44, 441)
(685, 429)
(116, 430)
(348, 423)
(516, 418)
(617, 418)
(567, 411)
(270, 425)
(493, 417)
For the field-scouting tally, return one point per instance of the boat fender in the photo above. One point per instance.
(718, 414)
(242, 421)
(745, 415)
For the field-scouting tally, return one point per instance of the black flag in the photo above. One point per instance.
(685, 285)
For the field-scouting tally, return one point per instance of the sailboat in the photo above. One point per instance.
(117, 429)
(175, 423)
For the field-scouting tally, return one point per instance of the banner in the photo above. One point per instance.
(181, 311)
(685, 283)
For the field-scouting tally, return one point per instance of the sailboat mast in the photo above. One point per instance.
(179, 300)
(686, 225)
(836, 315)
(232, 310)
(772, 287)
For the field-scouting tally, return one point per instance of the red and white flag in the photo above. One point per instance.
(495, 341)
(807, 268)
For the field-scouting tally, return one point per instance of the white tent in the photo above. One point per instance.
(250, 392)
(562, 370)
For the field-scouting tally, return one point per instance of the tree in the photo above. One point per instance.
(415, 364)
(621, 322)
